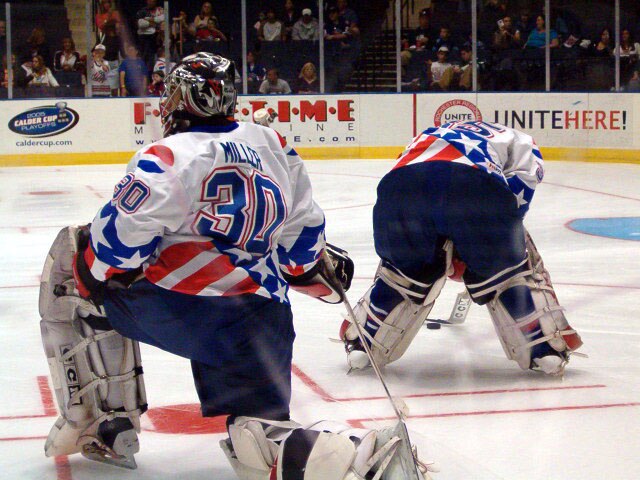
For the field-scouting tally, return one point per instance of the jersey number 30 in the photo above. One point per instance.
(245, 209)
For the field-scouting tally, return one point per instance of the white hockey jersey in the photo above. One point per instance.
(509, 155)
(214, 211)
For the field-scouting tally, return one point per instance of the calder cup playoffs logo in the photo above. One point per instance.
(44, 121)
(456, 111)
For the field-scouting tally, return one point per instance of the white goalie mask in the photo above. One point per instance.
(199, 87)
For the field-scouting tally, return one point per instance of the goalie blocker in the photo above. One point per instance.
(96, 373)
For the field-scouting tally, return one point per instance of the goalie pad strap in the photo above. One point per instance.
(390, 333)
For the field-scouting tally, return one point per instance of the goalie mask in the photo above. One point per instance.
(199, 87)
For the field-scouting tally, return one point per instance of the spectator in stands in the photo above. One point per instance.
(257, 27)
(156, 87)
(628, 47)
(458, 77)
(601, 68)
(274, 84)
(160, 64)
(67, 59)
(603, 47)
(150, 23)
(419, 39)
(336, 32)
(306, 28)
(209, 35)
(36, 45)
(21, 73)
(201, 20)
(525, 24)
(444, 40)
(492, 11)
(506, 38)
(107, 13)
(3, 36)
(40, 75)
(271, 30)
(256, 73)
(349, 16)
(183, 34)
(99, 73)
(538, 36)
(133, 74)
(113, 52)
(438, 68)
(629, 52)
(634, 82)
(289, 18)
(308, 81)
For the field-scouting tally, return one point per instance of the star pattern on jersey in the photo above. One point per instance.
(281, 291)
(469, 144)
(98, 227)
(317, 247)
(520, 198)
(261, 269)
(131, 262)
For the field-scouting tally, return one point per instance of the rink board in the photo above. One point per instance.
(570, 126)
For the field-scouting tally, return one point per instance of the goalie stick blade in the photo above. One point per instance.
(403, 465)
(460, 309)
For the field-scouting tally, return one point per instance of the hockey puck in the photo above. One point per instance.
(433, 326)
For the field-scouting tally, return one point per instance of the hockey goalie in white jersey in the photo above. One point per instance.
(454, 204)
(194, 254)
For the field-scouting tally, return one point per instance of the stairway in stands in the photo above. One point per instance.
(376, 67)
(77, 15)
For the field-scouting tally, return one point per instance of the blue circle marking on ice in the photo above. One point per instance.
(625, 228)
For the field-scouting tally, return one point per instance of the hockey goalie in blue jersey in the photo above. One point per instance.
(194, 254)
(453, 205)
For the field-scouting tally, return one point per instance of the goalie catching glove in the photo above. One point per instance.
(328, 279)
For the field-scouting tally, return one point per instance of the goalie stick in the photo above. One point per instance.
(458, 313)
(408, 461)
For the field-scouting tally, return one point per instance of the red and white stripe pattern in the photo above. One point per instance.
(428, 148)
(197, 268)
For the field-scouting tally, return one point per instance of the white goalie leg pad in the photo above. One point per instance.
(548, 317)
(395, 330)
(257, 449)
(96, 373)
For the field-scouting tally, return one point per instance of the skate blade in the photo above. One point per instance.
(97, 454)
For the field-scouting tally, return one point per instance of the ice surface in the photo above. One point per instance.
(472, 411)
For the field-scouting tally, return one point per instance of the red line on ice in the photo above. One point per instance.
(94, 191)
(591, 191)
(13, 439)
(359, 422)
(63, 468)
(315, 387)
(46, 396)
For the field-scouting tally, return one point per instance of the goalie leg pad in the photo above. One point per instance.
(529, 320)
(96, 373)
(261, 449)
(391, 324)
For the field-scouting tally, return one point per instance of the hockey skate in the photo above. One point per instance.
(114, 442)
